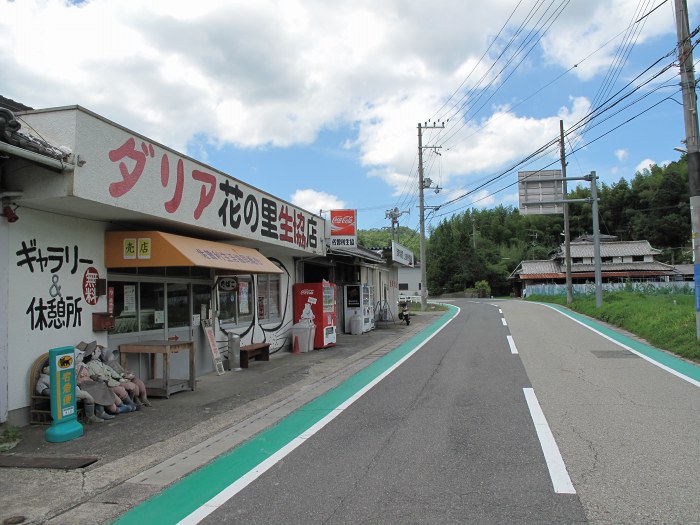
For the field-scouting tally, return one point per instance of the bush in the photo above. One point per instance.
(483, 289)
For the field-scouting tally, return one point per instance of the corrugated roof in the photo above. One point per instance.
(549, 266)
(611, 249)
(552, 268)
(685, 269)
(359, 251)
(625, 267)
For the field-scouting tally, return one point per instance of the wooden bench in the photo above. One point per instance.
(260, 351)
(40, 406)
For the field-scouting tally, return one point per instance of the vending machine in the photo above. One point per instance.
(352, 309)
(367, 307)
(316, 302)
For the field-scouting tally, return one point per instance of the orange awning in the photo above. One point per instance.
(152, 248)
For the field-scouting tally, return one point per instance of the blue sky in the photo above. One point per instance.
(318, 102)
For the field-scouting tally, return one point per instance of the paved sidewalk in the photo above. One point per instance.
(142, 452)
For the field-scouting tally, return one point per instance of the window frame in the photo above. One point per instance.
(265, 297)
(244, 291)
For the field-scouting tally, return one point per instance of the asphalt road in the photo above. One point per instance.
(452, 434)
(628, 430)
(446, 438)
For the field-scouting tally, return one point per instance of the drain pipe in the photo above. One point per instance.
(36, 157)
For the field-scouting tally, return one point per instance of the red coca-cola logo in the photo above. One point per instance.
(343, 222)
(306, 291)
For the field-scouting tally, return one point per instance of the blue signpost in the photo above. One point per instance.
(65, 425)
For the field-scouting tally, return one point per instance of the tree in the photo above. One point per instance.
(487, 245)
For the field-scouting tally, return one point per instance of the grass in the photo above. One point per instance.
(9, 437)
(430, 307)
(666, 321)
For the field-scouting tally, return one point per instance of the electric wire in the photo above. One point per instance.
(631, 36)
(610, 103)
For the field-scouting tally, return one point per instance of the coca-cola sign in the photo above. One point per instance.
(343, 223)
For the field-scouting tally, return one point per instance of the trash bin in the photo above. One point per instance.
(233, 352)
(303, 336)
(356, 325)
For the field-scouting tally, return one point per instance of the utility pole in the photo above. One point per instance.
(596, 242)
(473, 230)
(421, 205)
(567, 236)
(394, 216)
(690, 112)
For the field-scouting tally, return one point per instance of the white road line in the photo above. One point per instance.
(511, 344)
(557, 469)
(636, 352)
(503, 320)
(234, 488)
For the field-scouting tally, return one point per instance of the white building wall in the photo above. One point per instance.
(4, 301)
(410, 276)
(42, 263)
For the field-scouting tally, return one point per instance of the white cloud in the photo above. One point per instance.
(315, 201)
(621, 154)
(645, 165)
(270, 73)
(589, 34)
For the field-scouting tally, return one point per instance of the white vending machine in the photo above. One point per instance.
(352, 309)
(367, 307)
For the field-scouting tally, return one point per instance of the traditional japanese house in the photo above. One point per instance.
(621, 262)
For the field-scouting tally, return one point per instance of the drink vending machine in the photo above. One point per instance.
(316, 302)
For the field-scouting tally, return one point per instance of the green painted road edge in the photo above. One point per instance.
(185, 496)
(674, 363)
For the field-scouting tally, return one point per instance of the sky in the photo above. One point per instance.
(318, 103)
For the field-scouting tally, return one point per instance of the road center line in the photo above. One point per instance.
(511, 344)
(555, 463)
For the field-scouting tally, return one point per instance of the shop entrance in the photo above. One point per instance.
(148, 308)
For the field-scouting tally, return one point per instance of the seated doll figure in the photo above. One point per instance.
(111, 358)
(43, 384)
(106, 402)
(101, 373)
(43, 387)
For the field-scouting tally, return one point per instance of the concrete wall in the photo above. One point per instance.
(48, 307)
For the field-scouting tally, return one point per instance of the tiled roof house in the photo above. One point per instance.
(620, 261)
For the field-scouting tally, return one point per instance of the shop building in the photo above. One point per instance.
(107, 235)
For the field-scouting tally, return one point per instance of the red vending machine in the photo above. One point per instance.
(316, 301)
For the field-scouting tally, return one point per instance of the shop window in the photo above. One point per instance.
(200, 271)
(178, 305)
(201, 295)
(155, 270)
(268, 297)
(152, 312)
(236, 301)
(177, 271)
(125, 307)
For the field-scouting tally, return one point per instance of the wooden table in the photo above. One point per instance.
(161, 387)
